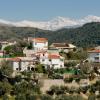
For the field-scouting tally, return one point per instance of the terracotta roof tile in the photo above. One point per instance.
(40, 39)
(95, 51)
(52, 56)
(15, 59)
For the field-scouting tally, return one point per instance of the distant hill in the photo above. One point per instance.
(86, 36)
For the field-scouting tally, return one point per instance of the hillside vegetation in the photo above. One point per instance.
(86, 36)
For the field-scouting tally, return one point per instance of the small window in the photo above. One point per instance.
(43, 60)
(61, 66)
(16, 68)
(97, 53)
(35, 43)
(49, 59)
(96, 58)
(61, 60)
(28, 68)
(19, 68)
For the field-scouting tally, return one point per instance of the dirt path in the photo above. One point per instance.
(47, 83)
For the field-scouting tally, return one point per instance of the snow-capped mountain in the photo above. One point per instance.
(54, 24)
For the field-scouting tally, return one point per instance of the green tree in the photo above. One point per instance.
(5, 86)
(40, 68)
(6, 68)
(14, 50)
(92, 97)
(46, 97)
(79, 55)
(29, 46)
(5, 97)
(20, 97)
(70, 64)
(69, 97)
(86, 68)
(32, 97)
(25, 87)
(18, 78)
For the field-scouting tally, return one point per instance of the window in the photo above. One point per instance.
(35, 43)
(49, 59)
(61, 60)
(16, 68)
(96, 58)
(61, 66)
(19, 68)
(28, 68)
(43, 60)
(97, 53)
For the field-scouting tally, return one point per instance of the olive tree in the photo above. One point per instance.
(6, 69)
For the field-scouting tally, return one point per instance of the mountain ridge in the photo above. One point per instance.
(53, 24)
(87, 35)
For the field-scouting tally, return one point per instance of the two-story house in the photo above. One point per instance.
(52, 60)
(94, 55)
(40, 44)
(22, 63)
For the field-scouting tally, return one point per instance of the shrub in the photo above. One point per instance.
(68, 80)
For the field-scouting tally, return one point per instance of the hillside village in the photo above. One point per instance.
(40, 52)
(53, 65)
(50, 50)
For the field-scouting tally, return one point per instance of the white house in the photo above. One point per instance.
(52, 60)
(94, 55)
(22, 63)
(39, 44)
(63, 46)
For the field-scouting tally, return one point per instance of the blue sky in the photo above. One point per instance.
(47, 9)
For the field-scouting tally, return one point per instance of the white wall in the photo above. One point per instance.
(56, 63)
(92, 57)
(40, 46)
(15, 65)
(23, 65)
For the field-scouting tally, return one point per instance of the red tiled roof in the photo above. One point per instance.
(40, 39)
(52, 56)
(15, 59)
(95, 51)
